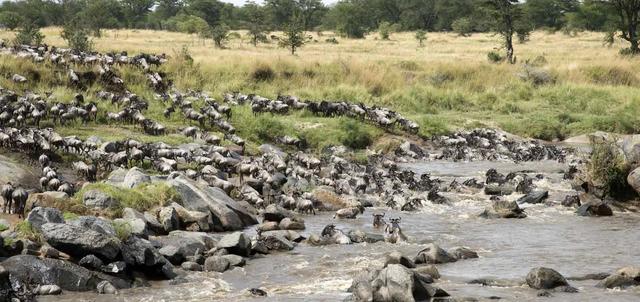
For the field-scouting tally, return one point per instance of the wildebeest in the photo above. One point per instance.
(393, 232)
(349, 213)
(7, 192)
(378, 221)
(19, 197)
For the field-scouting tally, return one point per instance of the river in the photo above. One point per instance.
(551, 236)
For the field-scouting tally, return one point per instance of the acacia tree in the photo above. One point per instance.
(256, 23)
(629, 19)
(504, 17)
(293, 35)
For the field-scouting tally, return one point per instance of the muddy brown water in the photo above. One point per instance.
(551, 236)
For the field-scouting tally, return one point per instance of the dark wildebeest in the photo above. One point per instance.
(19, 198)
(7, 191)
(378, 221)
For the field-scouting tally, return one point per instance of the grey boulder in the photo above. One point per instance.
(78, 241)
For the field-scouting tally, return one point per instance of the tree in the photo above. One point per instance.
(220, 35)
(350, 18)
(99, 14)
(385, 29)
(505, 15)
(293, 35)
(549, 13)
(463, 26)
(212, 11)
(10, 20)
(255, 17)
(29, 34)
(629, 19)
(421, 36)
(77, 36)
(136, 10)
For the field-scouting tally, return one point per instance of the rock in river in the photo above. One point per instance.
(624, 277)
(236, 243)
(545, 278)
(433, 254)
(68, 276)
(592, 206)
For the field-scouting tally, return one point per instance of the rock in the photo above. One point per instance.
(461, 253)
(571, 201)
(78, 241)
(98, 199)
(68, 276)
(115, 268)
(397, 258)
(596, 276)
(50, 289)
(130, 214)
(135, 177)
(106, 288)
(275, 213)
(50, 199)
(153, 225)
(430, 270)
(227, 213)
(137, 227)
(216, 264)
(49, 252)
(290, 235)
(268, 226)
(189, 218)
(277, 243)
(168, 217)
(394, 283)
(140, 252)
(289, 224)
(234, 260)
(172, 253)
(633, 179)
(188, 243)
(545, 278)
(39, 216)
(97, 224)
(503, 209)
(498, 189)
(433, 254)
(534, 197)
(592, 206)
(258, 292)
(236, 243)
(191, 266)
(624, 277)
(91, 262)
(496, 282)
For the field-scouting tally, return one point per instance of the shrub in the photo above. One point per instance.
(611, 76)
(269, 128)
(263, 73)
(332, 40)
(385, 29)
(25, 230)
(355, 135)
(29, 34)
(10, 20)
(123, 229)
(220, 35)
(421, 36)
(141, 198)
(3, 227)
(495, 57)
(463, 26)
(77, 37)
(536, 76)
(607, 168)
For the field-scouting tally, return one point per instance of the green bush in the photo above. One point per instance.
(495, 57)
(77, 37)
(355, 136)
(25, 230)
(29, 34)
(607, 168)
(463, 26)
(123, 229)
(263, 73)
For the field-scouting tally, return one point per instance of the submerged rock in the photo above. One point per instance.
(545, 278)
(503, 209)
(534, 197)
(433, 254)
(592, 206)
(624, 277)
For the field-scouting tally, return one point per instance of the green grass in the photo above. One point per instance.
(25, 230)
(3, 227)
(141, 198)
(123, 230)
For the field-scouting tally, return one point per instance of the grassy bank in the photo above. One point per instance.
(448, 84)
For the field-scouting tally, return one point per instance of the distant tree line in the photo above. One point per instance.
(349, 18)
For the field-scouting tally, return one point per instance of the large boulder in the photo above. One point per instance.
(32, 270)
(503, 209)
(39, 216)
(169, 219)
(194, 221)
(98, 199)
(228, 214)
(135, 177)
(433, 254)
(545, 278)
(137, 227)
(624, 277)
(51, 199)
(139, 252)
(216, 264)
(461, 253)
(394, 283)
(275, 213)
(276, 242)
(97, 224)
(592, 206)
(499, 189)
(236, 243)
(188, 243)
(79, 241)
(397, 258)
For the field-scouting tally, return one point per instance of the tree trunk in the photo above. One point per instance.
(509, 46)
(633, 37)
(293, 50)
